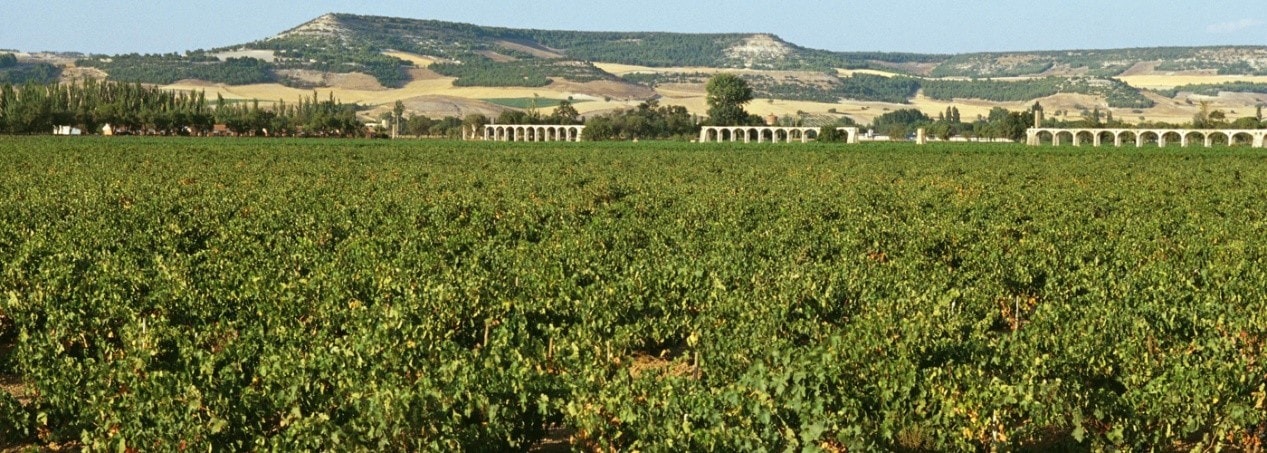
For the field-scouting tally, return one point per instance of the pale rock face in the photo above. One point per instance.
(759, 49)
(327, 25)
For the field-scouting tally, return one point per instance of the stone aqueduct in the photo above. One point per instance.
(761, 134)
(746, 134)
(1034, 136)
(1142, 137)
(532, 133)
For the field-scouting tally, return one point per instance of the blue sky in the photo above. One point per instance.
(931, 26)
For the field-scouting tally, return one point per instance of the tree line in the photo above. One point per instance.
(138, 109)
(1213, 89)
(649, 120)
(309, 116)
(1000, 123)
(1100, 63)
(165, 69)
(36, 109)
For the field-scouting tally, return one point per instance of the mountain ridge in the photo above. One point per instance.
(445, 58)
(339, 42)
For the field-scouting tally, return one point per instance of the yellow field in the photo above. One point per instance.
(850, 72)
(1165, 82)
(622, 69)
(418, 60)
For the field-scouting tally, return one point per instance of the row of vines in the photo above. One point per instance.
(162, 294)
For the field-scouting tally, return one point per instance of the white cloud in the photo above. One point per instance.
(1233, 26)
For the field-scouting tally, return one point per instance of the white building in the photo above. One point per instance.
(66, 130)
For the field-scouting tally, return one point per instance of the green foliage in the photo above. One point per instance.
(829, 134)
(39, 73)
(990, 65)
(907, 117)
(308, 117)
(647, 49)
(322, 55)
(1247, 122)
(365, 37)
(35, 109)
(449, 127)
(291, 53)
(1213, 89)
(709, 50)
(362, 40)
(136, 109)
(647, 121)
(1005, 124)
(1234, 68)
(446, 127)
(861, 87)
(1101, 63)
(868, 87)
(8, 60)
(726, 95)
(1231, 60)
(899, 90)
(658, 78)
(16, 423)
(458, 41)
(991, 90)
(565, 113)
(1116, 93)
(169, 68)
(292, 295)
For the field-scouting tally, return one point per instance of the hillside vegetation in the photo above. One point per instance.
(13, 72)
(1116, 93)
(496, 56)
(1211, 89)
(1107, 63)
(386, 55)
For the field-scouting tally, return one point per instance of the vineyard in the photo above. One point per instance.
(165, 294)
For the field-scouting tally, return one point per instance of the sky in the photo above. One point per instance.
(930, 26)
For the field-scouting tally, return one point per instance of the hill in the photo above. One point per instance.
(377, 60)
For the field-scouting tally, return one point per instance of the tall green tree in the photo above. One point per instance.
(1092, 118)
(565, 113)
(6, 95)
(418, 125)
(398, 112)
(649, 120)
(727, 93)
(907, 118)
(474, 123)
